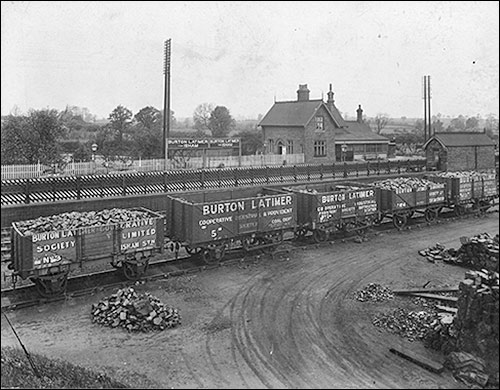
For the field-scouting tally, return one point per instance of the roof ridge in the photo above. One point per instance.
(300, 101)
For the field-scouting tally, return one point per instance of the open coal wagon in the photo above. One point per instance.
(335, 206)
(404, 197)
(48, 249)
(467, 190)
(209, 223)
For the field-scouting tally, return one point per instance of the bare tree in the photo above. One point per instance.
(380, 122)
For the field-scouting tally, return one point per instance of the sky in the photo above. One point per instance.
(245, 55)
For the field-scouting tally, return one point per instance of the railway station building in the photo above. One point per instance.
(317, 129)
(456, 151)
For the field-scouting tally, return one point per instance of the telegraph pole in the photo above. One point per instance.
(429, 105)
(425, 109)
(166, 102)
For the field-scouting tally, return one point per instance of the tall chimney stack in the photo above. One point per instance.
(303, 93)
(359, 111)
(330, 96)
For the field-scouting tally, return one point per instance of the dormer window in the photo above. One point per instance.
(319, 123)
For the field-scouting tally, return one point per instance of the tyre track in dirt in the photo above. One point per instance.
(303, 330)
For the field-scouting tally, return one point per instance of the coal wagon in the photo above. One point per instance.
(335, 206)
(48, 249)
(404, 197)
(209, 223)
(467, 190)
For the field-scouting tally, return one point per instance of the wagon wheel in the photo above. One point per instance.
(399, 221)
(361, 229)
(377, 219)
(459, 210)
(250, 242)
(192, 251)
(320, 235)
(213, 253)
(300, 233)
(50, 287)
(130, 271)
(430, 215)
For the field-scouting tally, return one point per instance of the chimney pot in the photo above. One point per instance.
(303, 93)
(359, 111)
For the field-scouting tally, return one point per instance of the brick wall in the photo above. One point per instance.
(471, 157)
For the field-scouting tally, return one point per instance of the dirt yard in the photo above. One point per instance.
(283, 323)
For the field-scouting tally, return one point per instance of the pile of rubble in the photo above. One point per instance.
(374, 292)
(412, 325)
(134, 312)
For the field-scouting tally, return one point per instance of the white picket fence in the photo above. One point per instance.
(99, 167)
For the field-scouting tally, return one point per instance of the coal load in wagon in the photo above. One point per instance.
(79, 219)
(135, 312)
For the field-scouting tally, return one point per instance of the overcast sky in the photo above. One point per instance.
(243, 55)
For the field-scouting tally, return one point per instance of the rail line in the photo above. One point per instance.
(187, 264)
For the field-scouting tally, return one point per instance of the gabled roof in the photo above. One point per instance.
(297, 113)
(455, 139)
(357, 132)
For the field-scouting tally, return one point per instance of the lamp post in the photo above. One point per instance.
(344, 151)
(94, 149)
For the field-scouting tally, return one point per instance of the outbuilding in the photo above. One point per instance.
(457, 151)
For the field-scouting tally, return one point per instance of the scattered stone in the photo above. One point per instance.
(412, 325)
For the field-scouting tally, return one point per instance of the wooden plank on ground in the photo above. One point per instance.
(418, 359)
(447, 308)
(435, 296)
(425, 290)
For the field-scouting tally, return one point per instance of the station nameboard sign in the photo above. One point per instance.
(204, 143)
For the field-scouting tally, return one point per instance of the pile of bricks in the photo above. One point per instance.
(474, 330)
(134, 312)
(438, 252)
(479, 252)
(374, 292)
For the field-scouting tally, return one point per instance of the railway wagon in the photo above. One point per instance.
(336, 206)
(467, 189)
(402, 198)
(47, 255)
(210, 223)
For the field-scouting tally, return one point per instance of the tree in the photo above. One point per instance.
(149, 117)
(471, 123)
(120, 121)
(380, 122)
(221, 122)
(32, 138)
(457, 124)
(437, 126)
(251, 141)
(201, 116)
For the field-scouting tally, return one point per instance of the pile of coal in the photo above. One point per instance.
(407, 184)
(374, 292)
(412, 325)
(135, 312)
(76, 219)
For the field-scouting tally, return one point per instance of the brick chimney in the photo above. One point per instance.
(330, 96)
(360, 114)
(303, 93)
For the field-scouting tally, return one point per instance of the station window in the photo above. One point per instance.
(319, 148)
(289, 146)
(319, 123)
(371, 148)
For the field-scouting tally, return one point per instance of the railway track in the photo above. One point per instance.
(23, 297)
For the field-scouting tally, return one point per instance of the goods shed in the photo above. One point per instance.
(455, 151)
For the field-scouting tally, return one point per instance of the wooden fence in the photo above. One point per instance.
(100, 167)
